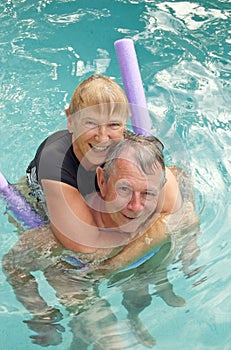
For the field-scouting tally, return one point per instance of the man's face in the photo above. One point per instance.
(130, 195)
(93, 135)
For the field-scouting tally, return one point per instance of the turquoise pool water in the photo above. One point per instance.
(184, 49)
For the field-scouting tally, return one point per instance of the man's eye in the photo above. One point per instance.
(149, 195)
(123, 191)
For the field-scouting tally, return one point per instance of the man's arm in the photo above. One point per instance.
(72, 221)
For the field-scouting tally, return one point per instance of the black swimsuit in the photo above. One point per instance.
(55, 160)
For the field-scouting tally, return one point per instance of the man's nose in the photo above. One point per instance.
(136, 203)
(102, 133)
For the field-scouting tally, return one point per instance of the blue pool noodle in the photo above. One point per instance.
(133, 86)
(18, 205)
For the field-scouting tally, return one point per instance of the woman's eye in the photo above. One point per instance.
(89, 124)
(114, 125)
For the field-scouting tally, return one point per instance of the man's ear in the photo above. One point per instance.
(69, 120)
(101, 181)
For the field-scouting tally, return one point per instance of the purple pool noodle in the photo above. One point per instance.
(18, 205)
(133, 86)
(3, 182)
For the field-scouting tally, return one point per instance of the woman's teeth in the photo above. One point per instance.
(99, 148)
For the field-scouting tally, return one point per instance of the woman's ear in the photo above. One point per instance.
(69, 120)
(101, 181)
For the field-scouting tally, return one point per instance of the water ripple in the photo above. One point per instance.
(185, 58)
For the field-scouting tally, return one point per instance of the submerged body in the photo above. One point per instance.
(42, 248)
(76, 284)
(134, 200)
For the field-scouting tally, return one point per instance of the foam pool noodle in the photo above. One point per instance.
(141, 124)
(133, 86)
(18, 205)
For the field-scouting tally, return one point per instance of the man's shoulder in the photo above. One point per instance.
(170, 196)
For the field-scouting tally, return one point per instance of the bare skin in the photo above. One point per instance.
(154, 232)
(40, 250)
(73, 291)
(67, 208)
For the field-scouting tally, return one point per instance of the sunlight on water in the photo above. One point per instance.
(183, 47)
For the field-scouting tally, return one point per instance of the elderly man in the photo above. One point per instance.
(133, 198)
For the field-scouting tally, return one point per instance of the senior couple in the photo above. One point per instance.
(110, 200)
(109, 210)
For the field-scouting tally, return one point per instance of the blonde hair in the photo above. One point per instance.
(102, 92)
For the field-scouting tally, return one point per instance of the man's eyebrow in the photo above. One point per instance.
(124, 182)
(152, 190)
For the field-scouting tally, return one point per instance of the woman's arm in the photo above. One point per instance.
(154, 236)
(72, 221)
(157, 230)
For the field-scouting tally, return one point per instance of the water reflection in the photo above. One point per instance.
(92, 319)
(184, 52)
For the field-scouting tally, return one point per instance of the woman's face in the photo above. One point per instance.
(94, 133)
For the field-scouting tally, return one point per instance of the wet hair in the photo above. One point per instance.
(102, 93)
(147, 153)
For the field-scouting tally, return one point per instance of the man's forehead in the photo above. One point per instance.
(126, 165)
(126, 158)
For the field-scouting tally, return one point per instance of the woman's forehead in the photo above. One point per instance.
(99, 116)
